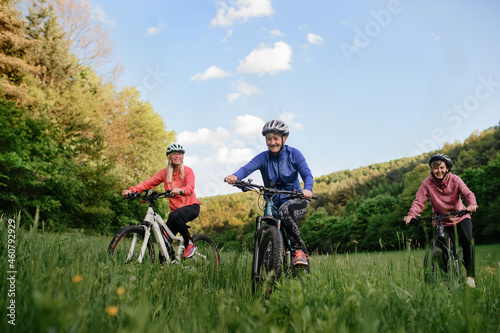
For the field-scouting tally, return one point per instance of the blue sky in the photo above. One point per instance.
(358, 82)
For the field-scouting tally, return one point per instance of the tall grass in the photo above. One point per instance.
(66, 282)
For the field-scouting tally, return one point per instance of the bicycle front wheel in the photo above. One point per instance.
(206, 252)
(435, 266)
(270, 260)
(126, 245)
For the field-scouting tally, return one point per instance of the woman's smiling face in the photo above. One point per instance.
(275, 142)
(439, 171)
(176, 158)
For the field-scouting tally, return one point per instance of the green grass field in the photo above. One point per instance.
(66, 282)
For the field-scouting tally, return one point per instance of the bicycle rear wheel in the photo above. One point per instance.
(126, 245)
(270, 260)
(207, 253)
(435, 270)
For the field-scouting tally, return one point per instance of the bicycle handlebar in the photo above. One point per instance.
(151, 196)
(248, 186)
(439, 217)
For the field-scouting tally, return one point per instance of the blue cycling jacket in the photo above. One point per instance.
(282, 169)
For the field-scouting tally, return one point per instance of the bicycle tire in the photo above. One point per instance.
(120, 245)
(435, 265)
(270, 260)
(207, 252)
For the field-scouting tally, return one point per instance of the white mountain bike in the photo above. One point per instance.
(134, 242)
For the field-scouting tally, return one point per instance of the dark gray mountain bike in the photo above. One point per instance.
(272, 248)
(442, 263)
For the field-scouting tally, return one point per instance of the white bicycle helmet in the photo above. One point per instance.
(275, 126)
(175, 147)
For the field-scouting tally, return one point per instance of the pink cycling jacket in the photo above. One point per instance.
(445, 197)
(186, 184)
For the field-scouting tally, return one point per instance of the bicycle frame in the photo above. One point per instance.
(153, 221)
(444, 241)
(270, 219)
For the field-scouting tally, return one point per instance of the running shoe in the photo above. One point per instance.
(189, 251)
(471, 282)
(300, 258)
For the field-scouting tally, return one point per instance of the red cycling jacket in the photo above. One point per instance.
(186, 184)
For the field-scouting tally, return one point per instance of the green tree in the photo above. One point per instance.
(51, 54)
(136, 138)
(14, 47)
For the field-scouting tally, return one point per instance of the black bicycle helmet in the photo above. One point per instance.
(441, 157)
(175, 147)
(275, 126)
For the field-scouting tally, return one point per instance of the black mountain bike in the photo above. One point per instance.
(442, 263)
(272, 248)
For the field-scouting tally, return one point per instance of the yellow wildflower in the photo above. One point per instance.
(120, 291)
(77, 278)
(112, 310)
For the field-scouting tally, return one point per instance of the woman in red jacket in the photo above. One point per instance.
(184, 207)
(444, 190)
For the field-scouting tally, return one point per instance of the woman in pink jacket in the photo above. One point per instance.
(444, 190)
(184, 207)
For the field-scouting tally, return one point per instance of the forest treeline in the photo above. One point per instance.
(362, 209)
(71, 140)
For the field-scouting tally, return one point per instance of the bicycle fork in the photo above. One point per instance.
(256, 250)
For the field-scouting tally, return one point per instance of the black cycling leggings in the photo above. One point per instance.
(177, 220)
(464, 230)
(290, 212)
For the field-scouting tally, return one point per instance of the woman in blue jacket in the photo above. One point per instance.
(282, 165)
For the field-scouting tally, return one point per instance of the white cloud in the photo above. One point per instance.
(435, 37)
(233, 156)
(315, 39)
(248, 125)
(359, 43)
(232, 97)
(243, 89)
(248, 89)
(229, 34)
(100, 15)
(204, 136)
(277, 33)
(213, 72)
(214, 154)
(267, 60)
(241, 11)
(156, 30)
(288, 118)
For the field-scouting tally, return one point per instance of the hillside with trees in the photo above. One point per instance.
(70, 137)
(363, 208)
